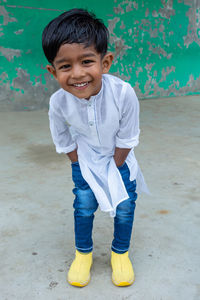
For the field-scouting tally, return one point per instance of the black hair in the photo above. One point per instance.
(74, 26)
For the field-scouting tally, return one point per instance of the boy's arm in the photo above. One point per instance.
(128, 135)
(120, 155)
(73, 156)
(59, 128)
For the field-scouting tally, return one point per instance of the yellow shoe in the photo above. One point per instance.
(79, 272)
(123, 273)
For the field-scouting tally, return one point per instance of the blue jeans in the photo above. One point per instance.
(85, 205)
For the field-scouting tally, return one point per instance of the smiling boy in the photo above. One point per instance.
(94, 119)
(79, 70)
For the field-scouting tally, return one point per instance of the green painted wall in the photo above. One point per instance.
(156, 45)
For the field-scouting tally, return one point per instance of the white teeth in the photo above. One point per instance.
(80, 84)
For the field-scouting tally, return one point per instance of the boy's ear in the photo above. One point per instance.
(107, 62)
(51, 70)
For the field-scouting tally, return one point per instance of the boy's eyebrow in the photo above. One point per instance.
(62, 60)
(87, 54)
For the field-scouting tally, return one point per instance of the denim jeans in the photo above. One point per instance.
(85, 205)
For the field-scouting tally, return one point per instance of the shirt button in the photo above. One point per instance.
(91, 123)
(89, 104)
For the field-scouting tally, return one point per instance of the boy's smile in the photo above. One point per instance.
(79, 69)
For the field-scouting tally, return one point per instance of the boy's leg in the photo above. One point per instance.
(123, 222)
(85, 205)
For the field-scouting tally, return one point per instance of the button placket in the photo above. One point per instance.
(91, 119)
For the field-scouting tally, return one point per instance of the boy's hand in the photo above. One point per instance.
(120, 156)
(73, 156)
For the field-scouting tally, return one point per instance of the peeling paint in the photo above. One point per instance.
(19, 31)
(1, 33)
(128, 6)
(120, 48)
(155, 34)
(166, 72)
(5, 14)
(146, 12)
(35, 97)
(194, 25)
(158, 50)
(3, 76)
(9, 54)
(122, 26)
(111, 24)
(138, 71)
(148, 67)
(167, 10)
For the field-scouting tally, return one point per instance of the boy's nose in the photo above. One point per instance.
(77, 72)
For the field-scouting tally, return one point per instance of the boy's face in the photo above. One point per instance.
(79, 70)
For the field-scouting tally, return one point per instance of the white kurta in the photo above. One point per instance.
(95, 127)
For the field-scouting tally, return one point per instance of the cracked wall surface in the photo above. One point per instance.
(156, 46)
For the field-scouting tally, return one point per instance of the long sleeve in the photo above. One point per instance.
(128, 134)
(60, 131)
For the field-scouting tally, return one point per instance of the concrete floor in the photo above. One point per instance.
(37, 241)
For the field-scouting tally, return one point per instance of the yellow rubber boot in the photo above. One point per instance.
(122, 268)
(79, 272)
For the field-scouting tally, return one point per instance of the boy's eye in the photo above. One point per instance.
(87, 61)
(64, 67)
